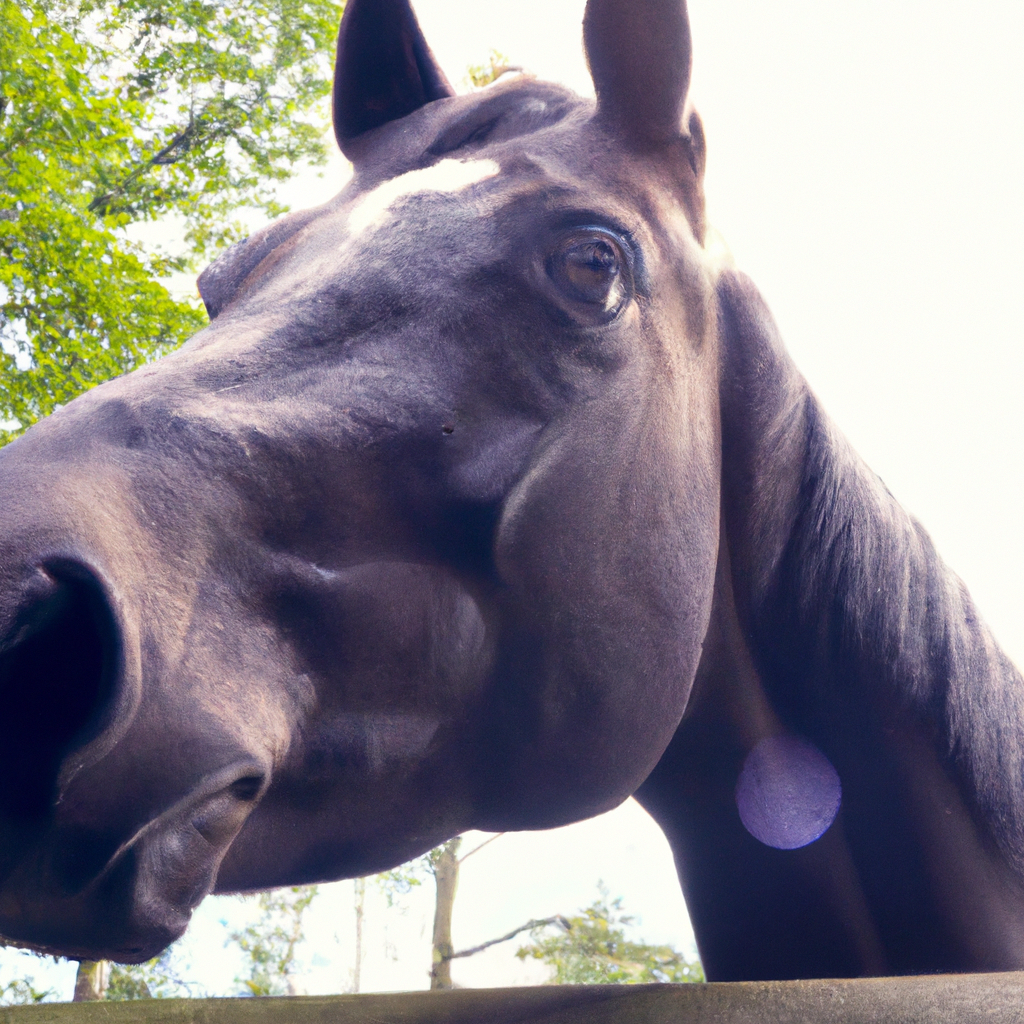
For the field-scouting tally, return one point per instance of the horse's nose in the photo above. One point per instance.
(60, 655)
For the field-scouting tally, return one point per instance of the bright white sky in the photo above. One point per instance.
(866, 164)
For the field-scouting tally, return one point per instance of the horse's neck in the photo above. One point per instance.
(835, 621)
(846, 603)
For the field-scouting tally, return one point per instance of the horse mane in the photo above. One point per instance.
(858, 625)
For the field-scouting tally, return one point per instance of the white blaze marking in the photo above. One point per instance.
(447, 176)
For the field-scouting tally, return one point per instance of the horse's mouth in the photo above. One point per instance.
(147, 888)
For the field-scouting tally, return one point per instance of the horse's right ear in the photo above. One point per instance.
(384, 69)
(639, 55)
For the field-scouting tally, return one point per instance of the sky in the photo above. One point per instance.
(865, 167)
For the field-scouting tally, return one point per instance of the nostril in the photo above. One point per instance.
(58, 672)
(218, 818)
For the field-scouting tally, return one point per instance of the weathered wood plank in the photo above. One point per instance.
(938, 999)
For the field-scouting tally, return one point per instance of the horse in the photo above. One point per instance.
(489, 498)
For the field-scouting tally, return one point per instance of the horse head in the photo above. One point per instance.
(418, 535)
(488, 498)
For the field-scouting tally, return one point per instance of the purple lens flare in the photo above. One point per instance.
(788, 793)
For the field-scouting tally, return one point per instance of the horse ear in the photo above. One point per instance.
(640, 56)
(384, 69)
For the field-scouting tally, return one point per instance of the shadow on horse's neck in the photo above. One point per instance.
(836, 622)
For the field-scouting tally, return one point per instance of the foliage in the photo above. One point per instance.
(402, 880)
(592, 949)
(232, 94)
(77, 302)
(479, 75)
(115, 113)
(269, 944)
(22, 992)
(155, 979)
(440, 855)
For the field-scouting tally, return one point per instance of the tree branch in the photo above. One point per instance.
(557, 919)
(178, 147)
(476, 849)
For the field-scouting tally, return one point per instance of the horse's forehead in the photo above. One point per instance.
(445, 188)
(528, 134)
(448, 176)
(533, 178)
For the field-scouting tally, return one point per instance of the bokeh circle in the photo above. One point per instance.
(788, 793)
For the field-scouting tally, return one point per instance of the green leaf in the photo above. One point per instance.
(114, 113)
(592, 949)
(269, 945)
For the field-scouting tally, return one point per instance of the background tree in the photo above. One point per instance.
(480, 75)
(444, 863)
(113, 113)
(91, 980)
(156, 979)
(22, 992)
(393, 885)
(269, 944)
(592, 949)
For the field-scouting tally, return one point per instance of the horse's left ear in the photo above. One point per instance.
(384, 69)
(640, 56)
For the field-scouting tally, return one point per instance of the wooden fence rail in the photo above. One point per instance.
(939, 999)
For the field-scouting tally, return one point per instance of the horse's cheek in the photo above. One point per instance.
(612, 575)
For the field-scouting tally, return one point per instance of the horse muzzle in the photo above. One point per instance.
(81, 873)
(76, 893)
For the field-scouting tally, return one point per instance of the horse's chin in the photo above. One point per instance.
(85, 929)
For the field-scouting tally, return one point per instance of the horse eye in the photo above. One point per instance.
(591, 270)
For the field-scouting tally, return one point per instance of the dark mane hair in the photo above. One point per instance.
(862, 619)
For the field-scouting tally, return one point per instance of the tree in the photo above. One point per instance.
(444, 863)
(359, 905)
(392, 884)
(592, 949)
(155, 979)
(22, 992)
(91, 980)
(479, 75)
(114, 113)
(269, 944)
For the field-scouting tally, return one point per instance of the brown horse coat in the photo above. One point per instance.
(487, 499)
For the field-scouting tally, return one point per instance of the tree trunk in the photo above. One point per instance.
(360, 902)
(446, 877)
(91, 980)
